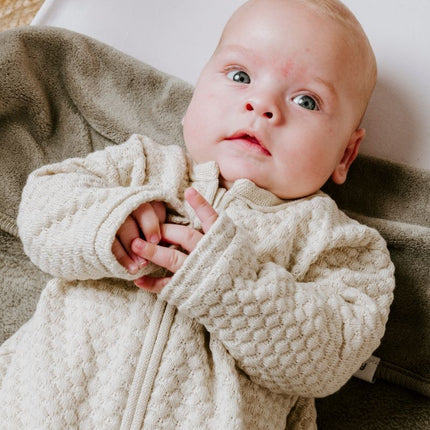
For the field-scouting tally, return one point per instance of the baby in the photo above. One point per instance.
(272, 297)
(254, 128)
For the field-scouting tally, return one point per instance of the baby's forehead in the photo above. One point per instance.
(279, 12)
(279, 20)
(334, 9)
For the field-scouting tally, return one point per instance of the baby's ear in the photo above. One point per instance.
(350, 154)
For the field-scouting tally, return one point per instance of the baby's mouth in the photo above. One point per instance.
(250, 139)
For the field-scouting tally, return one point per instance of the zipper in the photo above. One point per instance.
(156, 337)
(147, 366)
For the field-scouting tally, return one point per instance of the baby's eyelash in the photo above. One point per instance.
(306, 101)
(318, 101)
(239, 75)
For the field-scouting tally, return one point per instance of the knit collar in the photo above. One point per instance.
(243, 189)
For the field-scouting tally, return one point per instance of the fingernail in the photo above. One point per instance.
(141, 261)
(132, 269)
(191, 191)
(154, 239)
(139, 244)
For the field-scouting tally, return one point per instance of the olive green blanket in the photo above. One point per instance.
(63, 94)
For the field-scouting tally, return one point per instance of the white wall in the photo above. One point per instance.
(178, 37)
(398, 119)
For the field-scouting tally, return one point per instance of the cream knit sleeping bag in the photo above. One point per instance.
(280, 302)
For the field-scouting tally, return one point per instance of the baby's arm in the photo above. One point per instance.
(71, 211)
(303, 337)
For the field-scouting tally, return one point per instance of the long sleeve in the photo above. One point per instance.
(301, 331)
(71, 211)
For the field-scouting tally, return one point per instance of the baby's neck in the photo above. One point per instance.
(225, 184)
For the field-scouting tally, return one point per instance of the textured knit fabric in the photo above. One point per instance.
(280, 302)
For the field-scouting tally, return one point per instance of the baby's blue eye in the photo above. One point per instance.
(239, 76)
(306, 102)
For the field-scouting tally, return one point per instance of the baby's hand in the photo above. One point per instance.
(146, 221)
(187, 238)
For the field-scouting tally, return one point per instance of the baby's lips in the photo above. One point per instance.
(250, 137)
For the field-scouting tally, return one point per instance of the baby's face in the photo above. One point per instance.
(277, 103)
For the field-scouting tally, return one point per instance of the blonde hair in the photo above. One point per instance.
(334, 8)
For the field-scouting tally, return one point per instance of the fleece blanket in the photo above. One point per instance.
(63, 94)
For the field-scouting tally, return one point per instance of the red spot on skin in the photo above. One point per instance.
(286, 68)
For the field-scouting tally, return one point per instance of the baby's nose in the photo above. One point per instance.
(264, 106)
(250, 107)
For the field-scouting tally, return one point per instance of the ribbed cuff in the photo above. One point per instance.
(192, 287)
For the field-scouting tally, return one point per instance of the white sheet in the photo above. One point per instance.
(179, 36)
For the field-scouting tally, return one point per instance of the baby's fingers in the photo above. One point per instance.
(154, 285)
(149, 216)
(186, 237)
(126, 233)
(123, 258)
(169, 258)
(205, 212)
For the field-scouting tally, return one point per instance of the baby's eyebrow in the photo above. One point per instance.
(330, 87)
(239, 49)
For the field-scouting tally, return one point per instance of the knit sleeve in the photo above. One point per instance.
(296, 337)
(70, 211)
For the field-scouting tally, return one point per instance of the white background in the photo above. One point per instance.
(179, 36)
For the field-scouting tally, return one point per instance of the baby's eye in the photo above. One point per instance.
(306, 102)
(239, 76)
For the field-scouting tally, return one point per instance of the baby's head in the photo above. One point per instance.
(281, 100)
